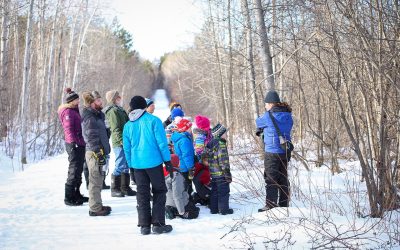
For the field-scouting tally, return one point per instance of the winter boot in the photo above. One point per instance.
(170, 212)
(145, 230)
(228, 211)
(103, 212)
(104, 184)
(115, 186)
(125, 188)
(79, 197)
(70, 199)
(162, 228)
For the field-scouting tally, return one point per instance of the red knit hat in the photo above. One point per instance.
(202, 122)
(183, 125)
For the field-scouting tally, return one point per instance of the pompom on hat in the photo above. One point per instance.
(70, 95)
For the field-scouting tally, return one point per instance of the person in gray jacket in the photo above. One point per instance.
(97, 149)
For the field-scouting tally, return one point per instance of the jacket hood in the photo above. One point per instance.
(67, 106)
(281, 114)
(88, 111)
(136, 114)
(176, 136)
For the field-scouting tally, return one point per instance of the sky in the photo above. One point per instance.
(159, 26)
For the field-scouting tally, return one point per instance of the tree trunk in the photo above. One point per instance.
(25, 83)
(265, 51)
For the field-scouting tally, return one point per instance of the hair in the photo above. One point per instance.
(282, 104)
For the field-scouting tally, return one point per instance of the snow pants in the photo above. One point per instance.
(121, 166)
(219, 198)
(177, 195)
(276, 180)
(76, 158)
(155, 177)
(95, 182)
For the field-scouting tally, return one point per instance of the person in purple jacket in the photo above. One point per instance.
(75, 146)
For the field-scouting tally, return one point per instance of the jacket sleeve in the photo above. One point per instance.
(199, 144)
(92, 134)
(161, 139)
(127, 144)
(116, 126)
(187, 153)
(261, 121)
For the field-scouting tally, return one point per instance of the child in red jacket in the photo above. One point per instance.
(201, 180)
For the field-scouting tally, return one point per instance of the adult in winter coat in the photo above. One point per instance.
(183, 148)
(75, 146)
(97, 149)
(275, 158)
(178, 204)
(217, 155)
(150, 106)
(117, 117)
(146, 148)
(170, 119)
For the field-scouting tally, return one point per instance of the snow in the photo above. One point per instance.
(324, 211)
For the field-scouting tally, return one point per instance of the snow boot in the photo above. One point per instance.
(70, 197)
(125, 188)
(228, 211)
(171, 212)
(162, 228)
(115, 186)
(103, 212)
(78, 196)
(145, 230)
(265, 208)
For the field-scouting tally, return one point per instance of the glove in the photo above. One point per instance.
(259, 131)
(169, 168)
(101, 159)
(191, 174)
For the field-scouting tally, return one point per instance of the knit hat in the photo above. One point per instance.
(149, 102)
(272, 97)
(176, 112)
(202, 122)
(183, 125)
(88, 98)
(137, 102)
(112, 95)
(218, 130)
(70, 95)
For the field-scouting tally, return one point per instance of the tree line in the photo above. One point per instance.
(336, 62)
(48, 45)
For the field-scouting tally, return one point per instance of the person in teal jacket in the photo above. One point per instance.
(146, 149)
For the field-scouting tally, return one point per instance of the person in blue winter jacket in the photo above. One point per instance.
(183, 147)
(275, 158)
(146, 149)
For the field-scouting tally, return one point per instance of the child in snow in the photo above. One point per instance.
(218, 159)
(201, 134)
(178, 204)
(202, 183)
(183, 147)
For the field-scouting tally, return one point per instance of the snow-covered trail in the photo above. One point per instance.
(33, 214)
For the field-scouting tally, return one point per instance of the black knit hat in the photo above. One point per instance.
(272, 97)
(70, 95)
(219, 130)
(137, 102)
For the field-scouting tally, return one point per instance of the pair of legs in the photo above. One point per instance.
(276, 180)
(219, 198)
(76, 158)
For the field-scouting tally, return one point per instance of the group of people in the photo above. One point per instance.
(163, 159)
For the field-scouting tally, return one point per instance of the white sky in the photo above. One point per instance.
(159, 26)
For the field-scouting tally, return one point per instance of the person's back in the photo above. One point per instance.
(145, 139)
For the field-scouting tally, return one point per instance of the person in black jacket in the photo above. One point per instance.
(97, 148)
